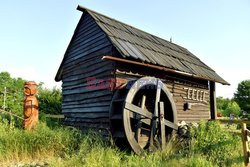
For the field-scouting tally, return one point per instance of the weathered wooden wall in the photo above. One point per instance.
(199, 110)
(177, 86)
(83, 106)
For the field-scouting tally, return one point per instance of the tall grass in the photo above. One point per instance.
(43, 142)
(209, 145)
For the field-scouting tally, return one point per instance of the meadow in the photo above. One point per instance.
(52, 144)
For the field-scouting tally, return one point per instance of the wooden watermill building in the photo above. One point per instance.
(105, 56)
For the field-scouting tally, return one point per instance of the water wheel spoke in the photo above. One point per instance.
(135, 109)
(170, 124)
(166, 122)
(146, 121)
(138, 117)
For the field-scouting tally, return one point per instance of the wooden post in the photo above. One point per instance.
(154, 121)
(245, 133)
(162, 124)
(213, 107)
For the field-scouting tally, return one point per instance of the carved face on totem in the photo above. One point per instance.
(30, 88)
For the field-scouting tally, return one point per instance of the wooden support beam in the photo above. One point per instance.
(154, 121)
(161, 68)
(162, 124)
(213, 107)
(244, 133)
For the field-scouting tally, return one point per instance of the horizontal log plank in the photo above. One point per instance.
(89, 100)
(79, 97)
(97, 37)
(87, 125)
(89, 68)
(82, 82)
(87, 120)
(87, 51)
(95, 45)
(93, 104)
(82, 78)
(82, 35)
(83, 57)
(86, 109)
(90, 115)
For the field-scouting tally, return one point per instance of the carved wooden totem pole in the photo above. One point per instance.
(30, 107)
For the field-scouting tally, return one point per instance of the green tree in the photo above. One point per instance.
(14, 93)
(222, 104)
(50, 100)
(242, 95)
(226, 106)
(233, 108)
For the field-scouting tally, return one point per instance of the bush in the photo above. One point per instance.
(14, 95)
(227, 106)
(50, 101)
(234, 108)
(213, 142)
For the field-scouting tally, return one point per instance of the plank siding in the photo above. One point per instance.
(175, 84)
(84, 107)
(199, 110)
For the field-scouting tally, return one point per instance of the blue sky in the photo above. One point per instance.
(34, 34)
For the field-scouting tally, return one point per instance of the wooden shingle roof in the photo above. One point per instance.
(141, 46)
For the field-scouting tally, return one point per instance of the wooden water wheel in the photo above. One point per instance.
(142, 115)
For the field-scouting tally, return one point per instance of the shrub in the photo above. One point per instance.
(50, 101)
(234, 108)
(228, 106)
(14, 93)
(210, 140)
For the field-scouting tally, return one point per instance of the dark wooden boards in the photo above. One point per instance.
(83, 105)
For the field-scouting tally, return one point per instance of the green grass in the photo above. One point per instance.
(210, 145)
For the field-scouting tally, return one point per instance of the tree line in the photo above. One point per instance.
(239, 105)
